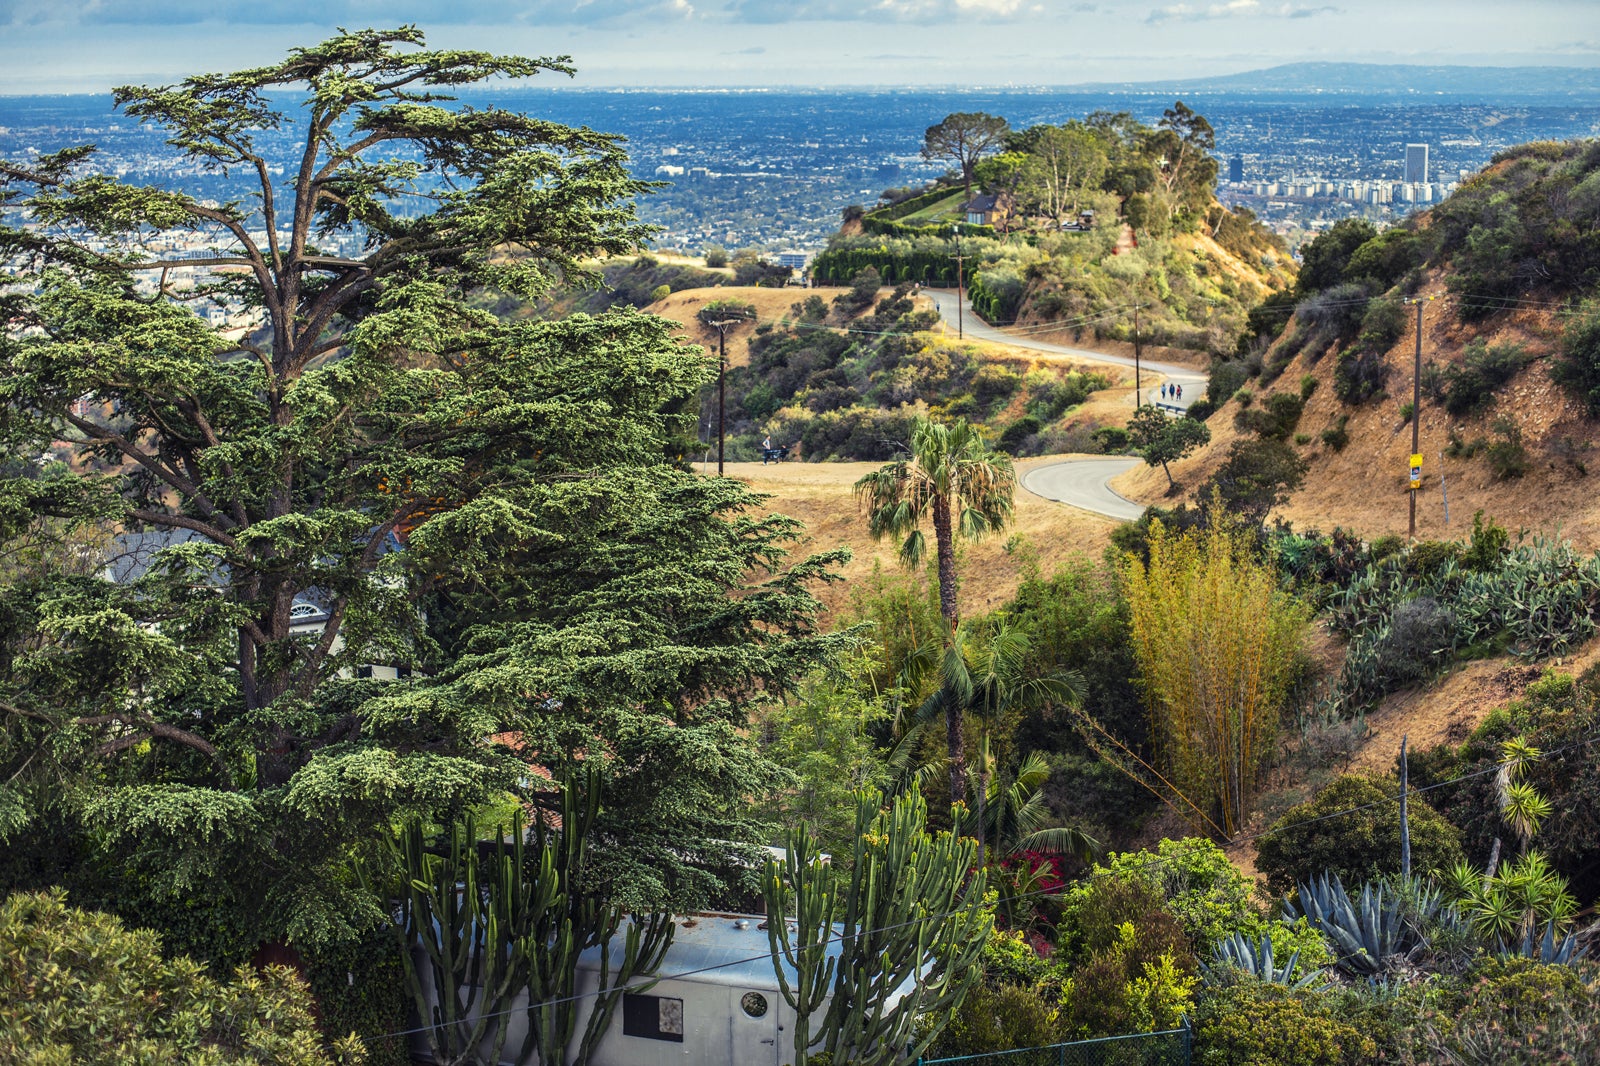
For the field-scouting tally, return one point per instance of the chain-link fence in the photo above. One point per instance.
(1169, 1048)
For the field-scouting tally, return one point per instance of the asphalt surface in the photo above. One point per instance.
(1081, 483)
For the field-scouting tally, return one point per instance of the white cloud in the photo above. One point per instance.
(1235, 9)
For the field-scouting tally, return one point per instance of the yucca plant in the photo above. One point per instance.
(1241, 954)
(1524, 893)
(1366, 934)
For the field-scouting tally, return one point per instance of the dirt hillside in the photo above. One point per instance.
(1363, 487)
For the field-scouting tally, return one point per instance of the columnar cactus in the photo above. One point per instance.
(909, 924)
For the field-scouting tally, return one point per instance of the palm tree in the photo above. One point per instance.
(985, 671)
(955, 482)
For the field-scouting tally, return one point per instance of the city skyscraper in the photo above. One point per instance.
(1236, 169)
(1416, 162)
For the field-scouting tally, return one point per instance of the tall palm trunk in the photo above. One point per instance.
(955, 742)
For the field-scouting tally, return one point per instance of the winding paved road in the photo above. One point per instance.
(1080, 483)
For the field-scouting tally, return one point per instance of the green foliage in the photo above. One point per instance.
(1579, 366)
(1255, 476)
(1507, 455)
(1253, 1023)
(1239, 956)
(1140, 978)
(1488, 546)
(487, 506)
(1162, 439)
(1323, 260)
(513, 923)
(823, 736)
(1276, 418)
(1191, 880)
(999, 1017)
(1557, 714)
(716, 256)
(1523, 225)
(359, 987)
(964, 137)
(1359, 375)
(660, 292)
(1517, 1012)
(1471, 386)
(1358, 846)
(1383, 929)
(909, 911)
(77, 986)
(1386, 258)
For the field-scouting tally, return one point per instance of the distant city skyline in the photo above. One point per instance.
(57, 46)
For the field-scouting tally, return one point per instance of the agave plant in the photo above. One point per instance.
(1369, 932)
(1239, 953)
(1546, 949)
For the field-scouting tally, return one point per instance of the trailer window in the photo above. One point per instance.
(754, 1004)
(652, 1017)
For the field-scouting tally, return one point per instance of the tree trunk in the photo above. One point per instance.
(955, 745)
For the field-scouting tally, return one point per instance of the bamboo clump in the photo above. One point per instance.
(1216, 641)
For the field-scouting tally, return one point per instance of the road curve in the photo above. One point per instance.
(1082, 483)
(1085, 483)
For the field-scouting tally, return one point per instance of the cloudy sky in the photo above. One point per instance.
(90, 45)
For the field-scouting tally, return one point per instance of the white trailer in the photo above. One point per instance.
(716, 1001)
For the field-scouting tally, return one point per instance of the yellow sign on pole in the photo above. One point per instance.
(1416, 472)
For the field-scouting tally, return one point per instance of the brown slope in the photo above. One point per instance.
(1364, 486)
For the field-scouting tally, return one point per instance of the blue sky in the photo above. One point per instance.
(90, 45)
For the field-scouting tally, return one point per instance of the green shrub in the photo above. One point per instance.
(1487, 549)
(1227, 378)
(1337, 436)
(1382, 325)
(1252, 1023)
(998, 1018)
(1277, 417)
(1359, 846)
(77, 986)
(1244, 396)
(716, 256)
(1308, 386)
(1407, 409)
(1579, 366)
(1256, 476)
(1507, 455)
(1302, 438)
(1516, 1012)
(1471, 387)
(659, 293)
(1359, 375)
(1112, 439)
(1192, 879)
(1018, 432)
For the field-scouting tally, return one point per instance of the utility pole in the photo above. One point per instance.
(1416, 420)
(1138, 391)
(723, 321)
(960, 259)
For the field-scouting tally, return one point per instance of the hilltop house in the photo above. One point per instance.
(986, 209)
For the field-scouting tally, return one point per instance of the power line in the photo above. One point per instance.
(1141, 867)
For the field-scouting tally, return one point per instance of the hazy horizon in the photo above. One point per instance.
(87, 46)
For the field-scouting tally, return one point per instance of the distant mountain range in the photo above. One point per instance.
(1384, 78)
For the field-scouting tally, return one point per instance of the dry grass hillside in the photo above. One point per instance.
(771, 305)
(821, 496)
(1363, 487)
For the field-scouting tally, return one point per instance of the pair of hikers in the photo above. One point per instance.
(772, 454)
(1172, 392)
